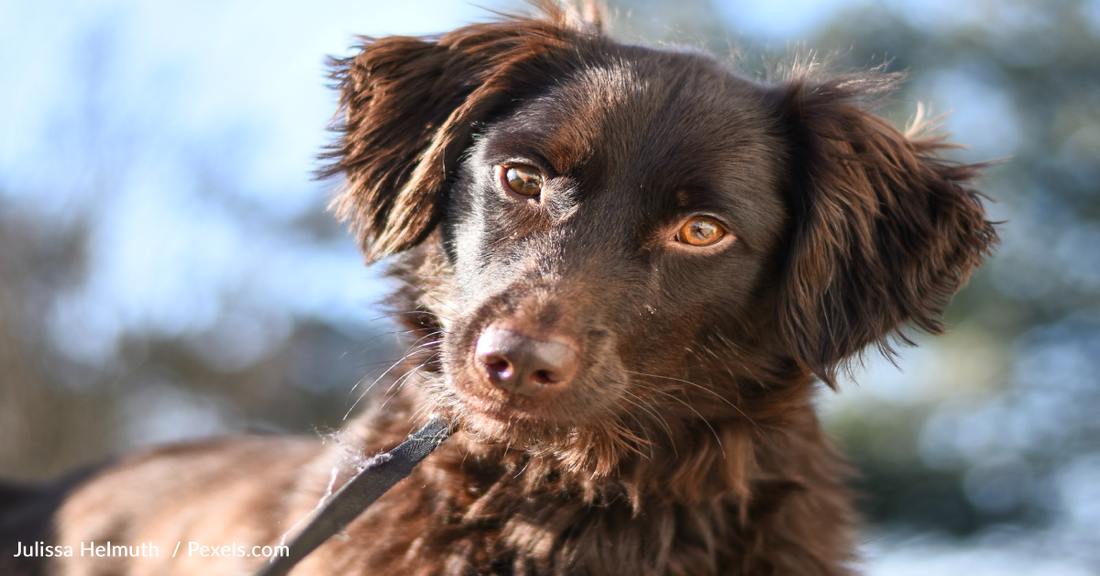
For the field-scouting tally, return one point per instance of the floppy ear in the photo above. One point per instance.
(884, 229)
(409, 106)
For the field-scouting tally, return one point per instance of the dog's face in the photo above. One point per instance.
(610, 242)
(600, 231)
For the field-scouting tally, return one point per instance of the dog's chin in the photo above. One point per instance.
(497, 416)
(578, 441)
(587, 452)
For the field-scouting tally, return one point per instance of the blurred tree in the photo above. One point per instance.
(57, 413)
(253, 367)
(1024, 72)
(45, 430)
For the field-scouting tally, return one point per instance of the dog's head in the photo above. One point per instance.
(611, 242)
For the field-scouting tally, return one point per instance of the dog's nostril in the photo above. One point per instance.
(544, 377)
(498, 366)
(515, 362)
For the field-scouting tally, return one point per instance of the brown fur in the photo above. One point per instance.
(687, 443)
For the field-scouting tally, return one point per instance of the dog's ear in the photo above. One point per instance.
(408, 107)
(884, 230)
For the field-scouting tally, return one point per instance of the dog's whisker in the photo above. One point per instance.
(425, 292)
(644, 429)
(398, 383)
(688, 382)
(656, 415)
(408, 354)
(395, 314)
(404, 357)
(687, 405)
(703, 388)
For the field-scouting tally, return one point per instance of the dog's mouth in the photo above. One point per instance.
(504, 410)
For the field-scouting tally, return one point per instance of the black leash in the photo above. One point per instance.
(379, 475)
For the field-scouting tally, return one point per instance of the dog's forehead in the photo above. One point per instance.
(645, 108)
(658, 121)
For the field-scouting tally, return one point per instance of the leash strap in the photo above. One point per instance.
(378, 476)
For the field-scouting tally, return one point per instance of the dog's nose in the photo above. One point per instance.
(515, 362)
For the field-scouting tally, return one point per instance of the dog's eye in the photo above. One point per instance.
(700, 231)
(523, 180)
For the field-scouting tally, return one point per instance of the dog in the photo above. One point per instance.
(627, 271)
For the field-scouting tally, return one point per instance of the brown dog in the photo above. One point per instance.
(628, 268)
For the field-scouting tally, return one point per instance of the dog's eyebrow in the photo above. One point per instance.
(532, 143)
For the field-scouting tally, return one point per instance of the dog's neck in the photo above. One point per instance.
(734, 459)
(753, 485)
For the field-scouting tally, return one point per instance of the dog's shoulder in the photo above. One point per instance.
(185, 492)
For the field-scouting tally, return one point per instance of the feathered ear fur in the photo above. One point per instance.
(410, 105)
(885, 230)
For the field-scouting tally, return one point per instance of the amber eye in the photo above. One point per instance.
(523, 180)
(700, 231)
